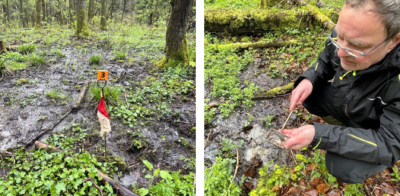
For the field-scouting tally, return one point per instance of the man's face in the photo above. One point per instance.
(361, 29)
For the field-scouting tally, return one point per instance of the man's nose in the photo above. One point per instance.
(342, 53)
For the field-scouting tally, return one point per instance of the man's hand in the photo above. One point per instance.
(300, 93)
(300, 137)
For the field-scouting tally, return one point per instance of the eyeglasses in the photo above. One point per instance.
(353, 52)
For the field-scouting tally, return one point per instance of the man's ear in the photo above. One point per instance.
(393, 42)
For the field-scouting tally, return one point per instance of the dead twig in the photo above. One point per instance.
(94, 184)
(144, 150)
(208, 137)
(237, 166)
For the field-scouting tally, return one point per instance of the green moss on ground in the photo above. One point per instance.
(118, 162)
(274, 91)
(175, 58)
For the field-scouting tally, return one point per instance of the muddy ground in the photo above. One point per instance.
(254, 136)
(23, 106)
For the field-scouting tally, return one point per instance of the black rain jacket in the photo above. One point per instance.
(370, 99)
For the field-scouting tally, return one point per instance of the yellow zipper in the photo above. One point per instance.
(368, 142)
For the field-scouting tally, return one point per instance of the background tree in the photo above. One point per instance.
(176, 50)
(44, 10)
(71, 13)
(81, 25)
(103, 21)
(21, 13)
(8, 11)
(90, 10)
(37, 22)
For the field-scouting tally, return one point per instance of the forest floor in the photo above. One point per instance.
(237, 123)
(152, 114)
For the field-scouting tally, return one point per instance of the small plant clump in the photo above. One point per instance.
(111, 94)
(121, 55)
(27, 49)
(94, 60)
(37, 60)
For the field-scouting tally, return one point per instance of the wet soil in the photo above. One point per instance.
(23, 106)
(255, 151)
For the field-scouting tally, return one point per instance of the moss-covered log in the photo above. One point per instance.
(176, 50)
(81, 25)
(246, 21)
(275, 91)
(2, 47)
(275, 44)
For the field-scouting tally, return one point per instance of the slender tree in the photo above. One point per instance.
(71, 13)
(123, 11)
(44, 10)
(21, 13)
(103, 21)
(81, 25)
(176, 50)
(37, 15)
(91, 10)
(8, 11)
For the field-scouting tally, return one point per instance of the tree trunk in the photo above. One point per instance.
(103, 22)
(44, 10)
(37, 22)
(176, 50)
(81, 25)
(21, 13)
(90, 12)
(60, 17)
(123, 11)
(2, 47)
(71, 13)
(111, 9)
(8, 12)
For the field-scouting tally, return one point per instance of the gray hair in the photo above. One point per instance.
(389, 11)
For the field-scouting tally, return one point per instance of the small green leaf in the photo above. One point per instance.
(148, 164)
(148, 176)
(165, 175)
(143, 191)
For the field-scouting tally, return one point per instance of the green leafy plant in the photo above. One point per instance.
(218, 177)
(111, 94)
(171, 183)
(26, 49)
(120, 55)
(94, 60)
(247, 123)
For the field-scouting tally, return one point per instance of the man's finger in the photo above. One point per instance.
(293, 100)
(291, 143)
(302, 98)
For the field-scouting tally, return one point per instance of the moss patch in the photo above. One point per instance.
(174, 58)
(118, 162)
(274, 91)
(81, 25)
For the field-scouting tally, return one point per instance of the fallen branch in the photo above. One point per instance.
(237, 166)
(48, 148)
(98, 188)
(80, 98)
(121, 191)
(44, 132)
(205, 145)
(252, 21)
(275, 91)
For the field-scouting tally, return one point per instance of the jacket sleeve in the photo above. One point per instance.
(381, 146)
(322, 69)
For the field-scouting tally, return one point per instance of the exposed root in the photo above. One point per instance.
(94, 184)
(237, 166)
